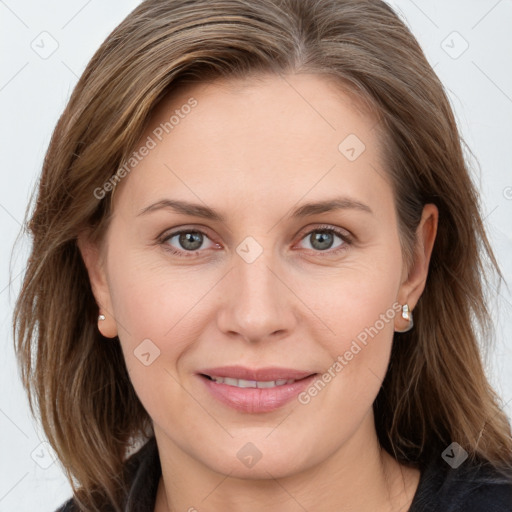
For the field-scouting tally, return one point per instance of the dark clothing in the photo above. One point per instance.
(441, 488)
(469, 488)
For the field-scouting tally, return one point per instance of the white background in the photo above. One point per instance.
(34, 90)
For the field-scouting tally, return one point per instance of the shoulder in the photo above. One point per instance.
(472, 487)
(141, 473)
(487, 491)
(489, 497)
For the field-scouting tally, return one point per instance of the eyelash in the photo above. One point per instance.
(343, 235)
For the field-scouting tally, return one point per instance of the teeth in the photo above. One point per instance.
(241, 383)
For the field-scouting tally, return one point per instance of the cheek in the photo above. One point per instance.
(356, 297)
(151, 298)
(358, 360)
(160, 314)
(359, 307)
(157, 325)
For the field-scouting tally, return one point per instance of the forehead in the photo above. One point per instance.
(257, 136)
(300, 95)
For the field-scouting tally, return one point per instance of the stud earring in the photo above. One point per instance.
(101, 318)
(406, 315)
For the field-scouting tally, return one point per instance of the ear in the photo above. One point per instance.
(92, 256)
(416, 274)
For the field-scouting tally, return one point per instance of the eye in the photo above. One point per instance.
(187, 242)
(327, 239)
(191, 242)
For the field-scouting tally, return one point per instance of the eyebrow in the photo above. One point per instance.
(308, 209)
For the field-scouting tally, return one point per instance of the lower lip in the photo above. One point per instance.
(256, 400)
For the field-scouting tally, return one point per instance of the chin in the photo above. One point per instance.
(259, 460)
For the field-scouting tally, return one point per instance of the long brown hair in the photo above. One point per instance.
(435, 391)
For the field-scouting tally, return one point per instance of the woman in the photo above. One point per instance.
(232, 329)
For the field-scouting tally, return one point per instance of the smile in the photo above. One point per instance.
(242, 383)
(262, 390)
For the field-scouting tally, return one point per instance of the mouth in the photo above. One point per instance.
(243, 383)
(255, 390)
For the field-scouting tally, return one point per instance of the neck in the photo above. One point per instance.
(360, 475)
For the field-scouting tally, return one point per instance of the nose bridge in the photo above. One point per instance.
(256, 303)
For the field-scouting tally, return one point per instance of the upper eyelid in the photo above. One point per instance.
(170, 233)
(324, 227)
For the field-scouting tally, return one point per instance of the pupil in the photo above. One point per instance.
(191, 241)
(321, 240)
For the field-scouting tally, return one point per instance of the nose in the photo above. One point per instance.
(256, 303)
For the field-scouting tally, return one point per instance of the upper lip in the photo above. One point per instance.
(259, 374)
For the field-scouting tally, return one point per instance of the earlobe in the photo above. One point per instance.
(413, 286)
(91, 257)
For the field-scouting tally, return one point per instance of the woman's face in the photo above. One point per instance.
(260, 277)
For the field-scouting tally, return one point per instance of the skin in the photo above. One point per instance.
(253, 151)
